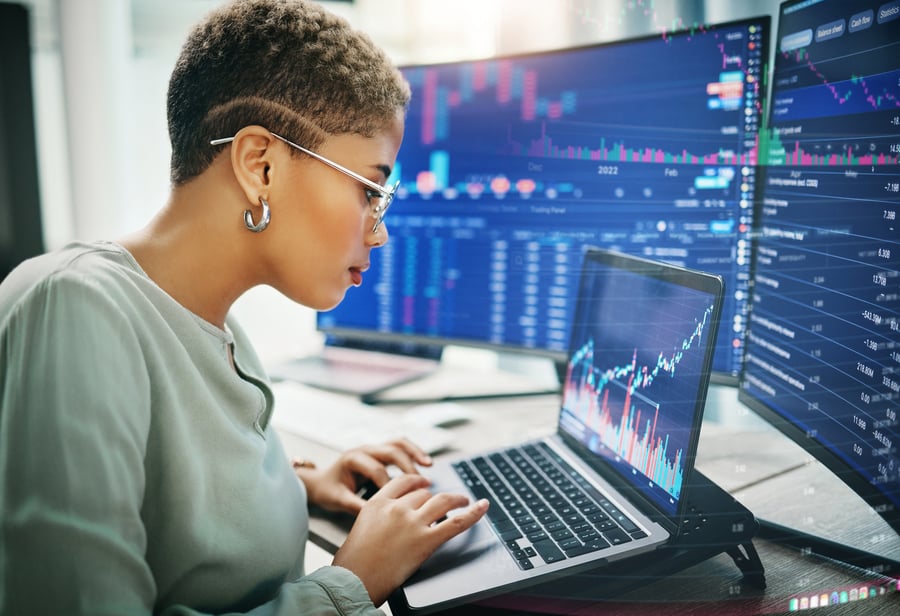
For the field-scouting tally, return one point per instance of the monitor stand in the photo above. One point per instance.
(797, 500)
(807, 544)
(476, 374)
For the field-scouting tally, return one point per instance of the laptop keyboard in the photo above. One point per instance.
(543, 510)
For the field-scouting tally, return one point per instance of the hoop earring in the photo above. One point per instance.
(263, 219)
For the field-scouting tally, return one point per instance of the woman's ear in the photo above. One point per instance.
(251, 159)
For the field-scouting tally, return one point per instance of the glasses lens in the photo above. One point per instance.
(383, 204)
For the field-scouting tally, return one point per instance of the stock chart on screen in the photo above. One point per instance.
(630, 391)
(511, 166)
(823, 349)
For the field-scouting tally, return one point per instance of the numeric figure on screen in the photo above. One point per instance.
(139, 470)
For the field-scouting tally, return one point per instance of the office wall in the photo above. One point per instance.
(101, 69)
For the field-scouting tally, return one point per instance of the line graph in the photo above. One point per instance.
(617, 405)
(872, 89)
(850, 93)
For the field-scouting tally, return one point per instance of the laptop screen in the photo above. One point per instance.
(638, 369)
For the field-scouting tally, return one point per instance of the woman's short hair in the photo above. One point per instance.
(287, 65)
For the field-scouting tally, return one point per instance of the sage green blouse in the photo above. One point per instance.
(138, 470)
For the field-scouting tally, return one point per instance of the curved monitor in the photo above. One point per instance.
(510, 166)
(823, 346)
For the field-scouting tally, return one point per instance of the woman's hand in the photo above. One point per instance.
(335, 488)
(398, 528)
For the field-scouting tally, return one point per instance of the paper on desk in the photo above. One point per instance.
(342, 422)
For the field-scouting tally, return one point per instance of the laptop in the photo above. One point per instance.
(612, 482)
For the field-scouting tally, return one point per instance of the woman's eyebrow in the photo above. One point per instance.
(385, 169)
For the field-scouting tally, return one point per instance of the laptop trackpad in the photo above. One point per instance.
(471, 550)
(467, 545)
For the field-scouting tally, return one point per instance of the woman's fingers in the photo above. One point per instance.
(431, 508)
(372, 461)
(461, 520)
(402, 453)
(398, 528)
(439, 505)
(402, 484)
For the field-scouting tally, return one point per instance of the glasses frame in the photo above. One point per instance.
(387, 193)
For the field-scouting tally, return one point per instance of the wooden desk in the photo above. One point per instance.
(772, 476)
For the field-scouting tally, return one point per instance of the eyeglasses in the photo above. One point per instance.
(383, 198)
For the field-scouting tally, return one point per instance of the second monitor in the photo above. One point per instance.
(510, 166)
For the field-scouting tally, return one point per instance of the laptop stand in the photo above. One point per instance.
(716, 524)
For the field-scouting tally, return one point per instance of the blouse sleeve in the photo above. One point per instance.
(329, 591)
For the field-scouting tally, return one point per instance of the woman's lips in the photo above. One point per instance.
(356, 276)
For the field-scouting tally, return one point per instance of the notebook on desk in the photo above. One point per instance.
(612, 481)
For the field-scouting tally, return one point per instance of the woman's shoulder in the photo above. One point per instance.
(97, 268)
(76, 258)
(77, 261)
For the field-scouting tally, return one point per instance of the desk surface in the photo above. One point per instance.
(761, 468)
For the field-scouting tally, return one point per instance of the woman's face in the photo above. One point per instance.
(321, 229)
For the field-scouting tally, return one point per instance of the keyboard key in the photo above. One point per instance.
(587, 548)
(554, 526)
(581, 528)
(578, 550)
(504, 525)
(525, 564)
(569, 544)
(626, 522)
(519, 554)
(616, 536)
(548, 551)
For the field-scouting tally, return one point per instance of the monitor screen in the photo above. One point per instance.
(823, 345)
(511, 165)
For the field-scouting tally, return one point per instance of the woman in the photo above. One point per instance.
(139, 472)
